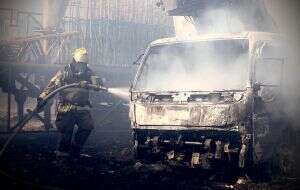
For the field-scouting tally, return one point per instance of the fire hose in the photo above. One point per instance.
(19, 126)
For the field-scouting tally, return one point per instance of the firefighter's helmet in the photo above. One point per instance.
(80, 55)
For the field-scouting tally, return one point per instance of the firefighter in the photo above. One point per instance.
(74, 105)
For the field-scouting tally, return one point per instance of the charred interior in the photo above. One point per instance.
(149, 94)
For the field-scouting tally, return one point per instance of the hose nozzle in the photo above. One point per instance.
(97, 88)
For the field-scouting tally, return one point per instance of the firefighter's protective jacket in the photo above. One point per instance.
(73, 97)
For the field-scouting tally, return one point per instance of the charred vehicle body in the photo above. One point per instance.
(206, 99)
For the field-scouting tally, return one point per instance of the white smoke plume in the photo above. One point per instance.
(199, 66)
(221, 21)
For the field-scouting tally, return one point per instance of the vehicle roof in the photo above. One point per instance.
(253, 36)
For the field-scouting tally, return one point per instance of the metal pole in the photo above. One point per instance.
(9, 98)
(91, 33)
(46, 25)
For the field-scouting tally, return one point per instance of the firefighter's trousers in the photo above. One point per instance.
(65, 123)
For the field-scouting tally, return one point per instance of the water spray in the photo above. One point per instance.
(122, 93)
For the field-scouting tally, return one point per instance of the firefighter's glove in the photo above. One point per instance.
(83, 84)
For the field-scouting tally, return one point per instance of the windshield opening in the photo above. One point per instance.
(195, 66)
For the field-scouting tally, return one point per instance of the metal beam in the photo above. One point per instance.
(35, 38)
(34, 90)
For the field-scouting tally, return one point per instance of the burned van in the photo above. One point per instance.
(207, 98)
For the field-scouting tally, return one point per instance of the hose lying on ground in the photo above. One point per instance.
(19, 126)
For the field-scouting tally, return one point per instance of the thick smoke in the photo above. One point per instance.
(234, 16)
(286, 16)
(200, 66)
(220, 21)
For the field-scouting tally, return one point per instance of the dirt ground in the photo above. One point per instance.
(30, 163)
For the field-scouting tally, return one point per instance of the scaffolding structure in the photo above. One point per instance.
(116, 31)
